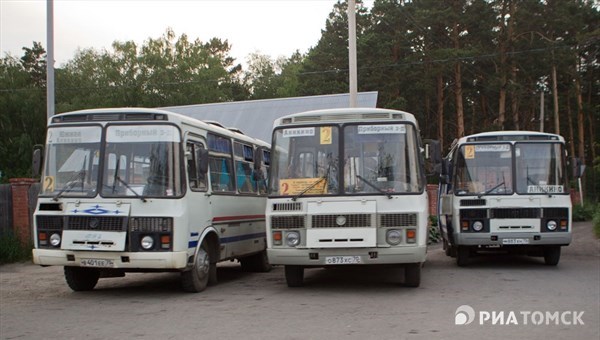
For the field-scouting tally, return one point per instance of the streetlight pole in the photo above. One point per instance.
(50, 58)
(352, 52)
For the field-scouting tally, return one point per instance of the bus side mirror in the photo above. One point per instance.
(203, 161)
(433, 155)
(576, 167)
(445, 173)
(36, 160)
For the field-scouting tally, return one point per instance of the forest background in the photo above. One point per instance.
(461, 66)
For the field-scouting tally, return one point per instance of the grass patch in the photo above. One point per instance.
(11, 249)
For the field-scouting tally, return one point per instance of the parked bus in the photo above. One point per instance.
(347, 187)
(143, 190)
(505, 191)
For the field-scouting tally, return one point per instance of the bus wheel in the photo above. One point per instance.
(196, 279)
(462, 256)
(256, 263)
(81, 279)
(552, 255)
(412, 275)
(294, 276)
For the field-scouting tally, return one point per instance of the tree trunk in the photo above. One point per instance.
(571, 132)
(460, 124)
(514, 98)
(555, 97)
(440, 109)
(580, 121)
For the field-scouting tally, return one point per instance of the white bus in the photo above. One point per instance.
(505, 191)
(347, 187)
(143, 190)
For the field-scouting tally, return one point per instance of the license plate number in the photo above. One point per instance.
(102, 263)
(343, 260)
(515, 241)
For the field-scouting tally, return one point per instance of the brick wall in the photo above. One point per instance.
(20, 208)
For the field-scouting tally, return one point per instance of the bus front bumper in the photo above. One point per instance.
(116, 260)
(513, 239)
(320, 257)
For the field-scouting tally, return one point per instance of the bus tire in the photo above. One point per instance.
(81, 279)
(196, 279)
(552, 255)
(412, 275)
(258, 263)
(294, 276)
(462, 256)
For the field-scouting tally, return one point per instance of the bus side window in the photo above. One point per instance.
(244, 158)
(196, 178)
(221, 175)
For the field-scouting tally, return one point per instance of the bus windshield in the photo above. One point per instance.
(484, 169)
(304, 161)
(71, 162)
(142, 161)
(377, 159)
(381, 158)
(539, 168)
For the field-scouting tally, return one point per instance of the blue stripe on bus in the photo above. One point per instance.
(242, 237)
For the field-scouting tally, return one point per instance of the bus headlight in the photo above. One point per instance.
(393, 237)
(551, 225)
(55, 240)
(477, 226)
(147, 242)
(292, 238)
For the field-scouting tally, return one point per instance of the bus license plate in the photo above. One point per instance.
(343, 260)
(515, 241)
(101, 263)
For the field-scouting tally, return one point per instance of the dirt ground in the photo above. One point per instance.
(353, 303)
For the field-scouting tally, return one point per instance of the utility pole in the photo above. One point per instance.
(50, 58)
(352, 51)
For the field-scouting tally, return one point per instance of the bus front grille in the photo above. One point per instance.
(397, 220)
(335, 221)
(287, 222)
(96, 223)
(515, 213)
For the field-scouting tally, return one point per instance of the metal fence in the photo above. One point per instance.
(6, 221)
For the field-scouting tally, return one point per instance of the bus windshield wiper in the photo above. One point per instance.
(311, 186)
(487, 192)
(71, 182)
(367, 182)
(118, 178)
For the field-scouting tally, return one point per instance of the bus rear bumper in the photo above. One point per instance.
(322, 257)
(115, 260)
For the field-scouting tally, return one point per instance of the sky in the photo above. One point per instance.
(271, 27)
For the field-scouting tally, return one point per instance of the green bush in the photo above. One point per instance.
(434, 232)
(11, 249)
(583, 212)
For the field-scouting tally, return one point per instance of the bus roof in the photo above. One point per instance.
(134, 114)
(510, 136)
(345, 114)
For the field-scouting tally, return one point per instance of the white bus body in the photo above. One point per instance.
(347, 187)
(127, 190)
(505, 191)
